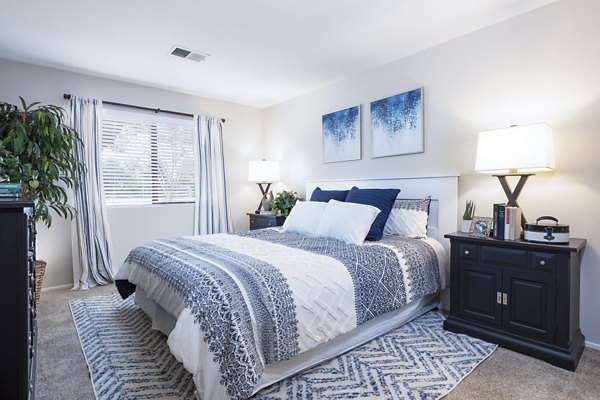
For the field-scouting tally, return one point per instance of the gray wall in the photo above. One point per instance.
(543, 66)
(243, 141)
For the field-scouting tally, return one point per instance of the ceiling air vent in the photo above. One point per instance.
(181, 52)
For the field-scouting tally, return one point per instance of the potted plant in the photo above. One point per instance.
(467, 216)
(37, 149)
(284, 202)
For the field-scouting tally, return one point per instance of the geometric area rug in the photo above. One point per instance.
(129, 360)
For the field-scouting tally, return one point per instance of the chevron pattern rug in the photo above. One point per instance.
(129, 360)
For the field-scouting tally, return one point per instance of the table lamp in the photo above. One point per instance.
(515, 151)
(263, 173)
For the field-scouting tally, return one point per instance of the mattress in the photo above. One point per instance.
(243, 311)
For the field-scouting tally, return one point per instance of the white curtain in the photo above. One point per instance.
(211, 211)
(92, 253)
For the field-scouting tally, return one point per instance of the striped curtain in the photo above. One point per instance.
(92, 254)
(211, 211)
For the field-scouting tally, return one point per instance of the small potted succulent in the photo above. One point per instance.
(284, 202)
(467, 216)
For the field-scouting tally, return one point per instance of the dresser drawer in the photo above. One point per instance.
(261, 222)
(503, 256)
(468, 252)
(541, 261)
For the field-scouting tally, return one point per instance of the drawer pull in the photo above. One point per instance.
(499, 297)
(542, 263)
(467, 252)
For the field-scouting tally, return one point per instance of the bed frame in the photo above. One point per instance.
(443, 213)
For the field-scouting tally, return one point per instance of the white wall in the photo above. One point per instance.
(543, 66)
(132, 226)
(243, 141)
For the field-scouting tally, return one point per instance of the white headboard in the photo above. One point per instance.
(443, 213)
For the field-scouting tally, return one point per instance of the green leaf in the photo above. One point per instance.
(37, 149)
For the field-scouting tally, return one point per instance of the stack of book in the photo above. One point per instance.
(507, 222)
(10, 190)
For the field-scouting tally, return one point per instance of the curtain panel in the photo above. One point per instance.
(211, 209)
(92, 253)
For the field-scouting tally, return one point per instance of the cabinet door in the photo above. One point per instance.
(478, 291)
(531, 304)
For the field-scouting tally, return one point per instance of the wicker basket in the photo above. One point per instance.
(40, 269)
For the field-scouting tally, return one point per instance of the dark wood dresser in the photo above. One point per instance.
(520, 295)
(259, 221)
(18, 330)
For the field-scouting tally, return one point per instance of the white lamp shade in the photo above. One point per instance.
(263, 171)
(519, 149)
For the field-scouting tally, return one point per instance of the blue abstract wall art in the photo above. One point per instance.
(397, 124)
(341, 135)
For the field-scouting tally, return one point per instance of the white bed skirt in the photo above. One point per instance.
(165, 323)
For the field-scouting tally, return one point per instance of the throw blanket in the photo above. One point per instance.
(248, 300)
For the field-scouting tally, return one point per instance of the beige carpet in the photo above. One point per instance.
(63, 374)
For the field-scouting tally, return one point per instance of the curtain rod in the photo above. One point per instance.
(67, 96)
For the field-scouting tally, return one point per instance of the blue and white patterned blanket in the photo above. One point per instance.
(265, 296)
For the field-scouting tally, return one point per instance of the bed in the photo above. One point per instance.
(246, 310)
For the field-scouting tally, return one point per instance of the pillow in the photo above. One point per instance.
(304, 217)
(380, 198)
(408, 218)
(347, 222)
(325, 195)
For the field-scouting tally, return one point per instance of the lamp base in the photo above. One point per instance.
(511, 194)
(264, 191)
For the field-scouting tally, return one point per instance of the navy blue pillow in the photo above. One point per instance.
(325, 195)
(381, 198)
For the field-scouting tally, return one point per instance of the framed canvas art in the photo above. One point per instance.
(397, 124)
(341, 135)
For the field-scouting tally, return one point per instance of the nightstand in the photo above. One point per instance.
(520, 295)
(259, 221)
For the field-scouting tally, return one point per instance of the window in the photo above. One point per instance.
(146, 158)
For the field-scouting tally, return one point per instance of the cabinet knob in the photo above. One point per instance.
(542, 263)
(467, 252)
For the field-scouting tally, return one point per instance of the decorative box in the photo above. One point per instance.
(554, 233)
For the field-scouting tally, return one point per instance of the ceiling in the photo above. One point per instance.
(262, 51)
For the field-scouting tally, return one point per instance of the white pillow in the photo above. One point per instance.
(304, 217)
(408, 218)
(348, 222)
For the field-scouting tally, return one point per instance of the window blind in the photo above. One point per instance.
(146, 158)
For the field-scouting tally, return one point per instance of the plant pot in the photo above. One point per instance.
(465, 225)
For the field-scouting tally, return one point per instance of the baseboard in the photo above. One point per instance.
(49, 289)
(592, 345)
